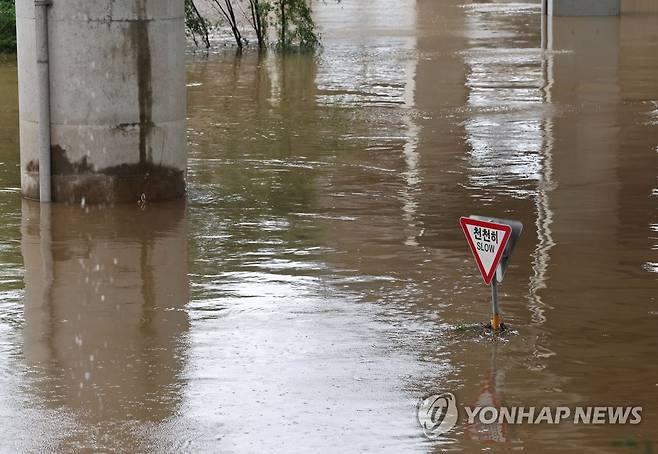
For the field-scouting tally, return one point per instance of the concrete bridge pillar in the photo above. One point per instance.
(117, 99)
(582, 7)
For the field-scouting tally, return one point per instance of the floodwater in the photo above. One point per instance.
(316, 284)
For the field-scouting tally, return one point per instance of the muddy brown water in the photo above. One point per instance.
(315, 285)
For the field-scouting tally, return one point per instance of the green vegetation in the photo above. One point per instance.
(259, 10)
(195, 25)
(7, 26)
(290, 19)
(295, 25)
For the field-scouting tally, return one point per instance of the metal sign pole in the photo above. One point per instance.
(495, 317)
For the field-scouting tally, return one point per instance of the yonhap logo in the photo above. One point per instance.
(438, 414)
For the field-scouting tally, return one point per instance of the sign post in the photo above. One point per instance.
(495, 315)
(492, 242)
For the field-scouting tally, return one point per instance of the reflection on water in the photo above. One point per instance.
(105, 320)
(490, 395)
(307, 294)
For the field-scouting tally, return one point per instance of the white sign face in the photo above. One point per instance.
(487, 241)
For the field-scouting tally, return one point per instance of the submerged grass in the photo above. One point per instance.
(7, 26)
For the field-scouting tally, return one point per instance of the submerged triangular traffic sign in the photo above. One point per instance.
(517, 229)
(487, 241)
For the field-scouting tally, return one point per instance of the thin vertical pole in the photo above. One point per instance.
(495, 316)
(43, 97)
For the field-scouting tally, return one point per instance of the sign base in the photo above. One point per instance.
(496, 322)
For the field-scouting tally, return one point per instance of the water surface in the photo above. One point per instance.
(310, 290)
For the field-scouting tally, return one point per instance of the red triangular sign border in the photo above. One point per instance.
(464, 221)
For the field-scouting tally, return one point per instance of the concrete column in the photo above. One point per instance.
(583, 7)
(117, 83)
